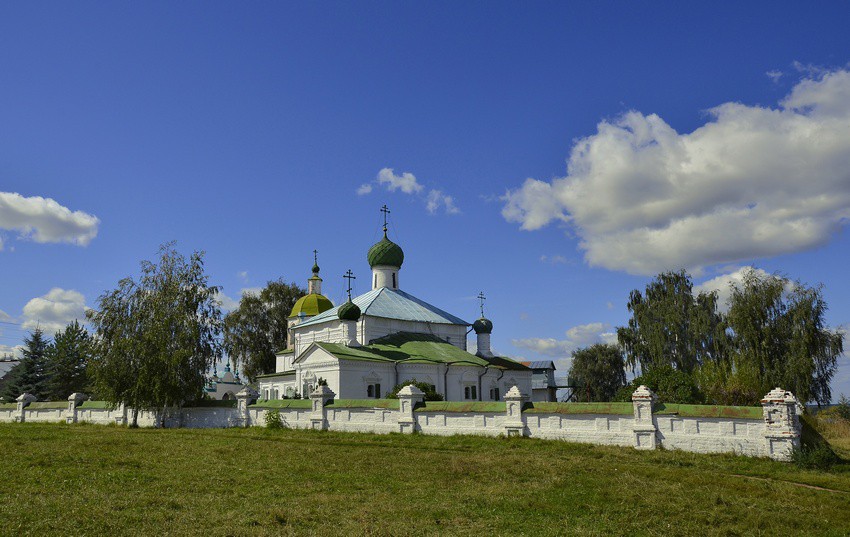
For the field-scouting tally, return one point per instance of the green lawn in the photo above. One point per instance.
(94, 480)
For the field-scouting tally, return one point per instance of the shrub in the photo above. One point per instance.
(273, 420)
(670, 385)
(429, 390)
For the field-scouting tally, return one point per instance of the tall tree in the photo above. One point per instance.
(670, 327)
(67, 359)
(30, 375)
(781, 338)
(157, 337)
(598, 372)
(257, 329)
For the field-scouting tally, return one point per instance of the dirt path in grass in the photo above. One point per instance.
(796, 484)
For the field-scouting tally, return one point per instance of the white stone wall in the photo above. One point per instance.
(773, 436)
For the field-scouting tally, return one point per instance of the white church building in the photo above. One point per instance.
(366, 346)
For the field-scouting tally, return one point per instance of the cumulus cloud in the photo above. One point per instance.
(44, 220)
(227, 303)
(752, 182)
(723, 285)
(52, 312)
(407, 183)
(437, 199)
(577, 337)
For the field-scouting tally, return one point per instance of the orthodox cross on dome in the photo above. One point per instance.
(481, 298)
(386, 212)
(316, 257)
(349, 276)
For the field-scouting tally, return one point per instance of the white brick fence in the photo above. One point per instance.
(770, 431)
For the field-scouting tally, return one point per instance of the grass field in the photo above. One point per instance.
(95, 480)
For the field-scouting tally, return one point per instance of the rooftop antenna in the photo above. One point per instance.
(350, 276)
(481, 298)
(386, 212)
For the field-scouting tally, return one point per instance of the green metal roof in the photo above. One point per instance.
(272, 375)
(310, 305)
(385, 252)
(416, 348)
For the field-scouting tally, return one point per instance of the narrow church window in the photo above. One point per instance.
(470, 392)
(394, 284)
(373, 391)
(494, 394)
(376, 281)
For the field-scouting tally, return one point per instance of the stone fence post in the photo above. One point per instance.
(245, 397)
(515, 422)
(644, 426)
(73, 400)
(320, 397)
(408, 398)
(24, 401)
(781, 424)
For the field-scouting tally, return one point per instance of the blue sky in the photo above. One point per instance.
(554, 155)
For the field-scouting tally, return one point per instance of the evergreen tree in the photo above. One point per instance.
(30, 375)
(67, 359)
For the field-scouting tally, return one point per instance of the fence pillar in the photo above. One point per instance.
(515, 423)
(408, 398)
(644, 426)
(781, 424)
(73, 400)
(319, 398)
(24, 401)
(245, 397)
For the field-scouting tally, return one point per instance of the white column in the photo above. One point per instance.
(515, 424)
(73, 400)
(781, 424)
(319, 398)
(644, 426)
(408, 398)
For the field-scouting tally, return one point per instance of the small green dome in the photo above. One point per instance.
(385, 252)
(482, 326)
(315, 268)
(310, 305)
(348, 311)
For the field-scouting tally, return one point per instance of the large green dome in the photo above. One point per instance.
(310, 305)
(385, 252)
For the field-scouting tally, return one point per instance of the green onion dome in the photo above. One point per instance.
(310, 305)
(316, 269)
(385, 252)
(482, 326)
(348, 312)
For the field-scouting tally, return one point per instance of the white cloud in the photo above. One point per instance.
(437, 199)
(723, 285)
(229, 304)
(554, 259)
(774, 75)
(752, 182)
(407, 183)
(44, 220)
(5, 316)
(52, 312)
(243, 275)
(577, 337)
